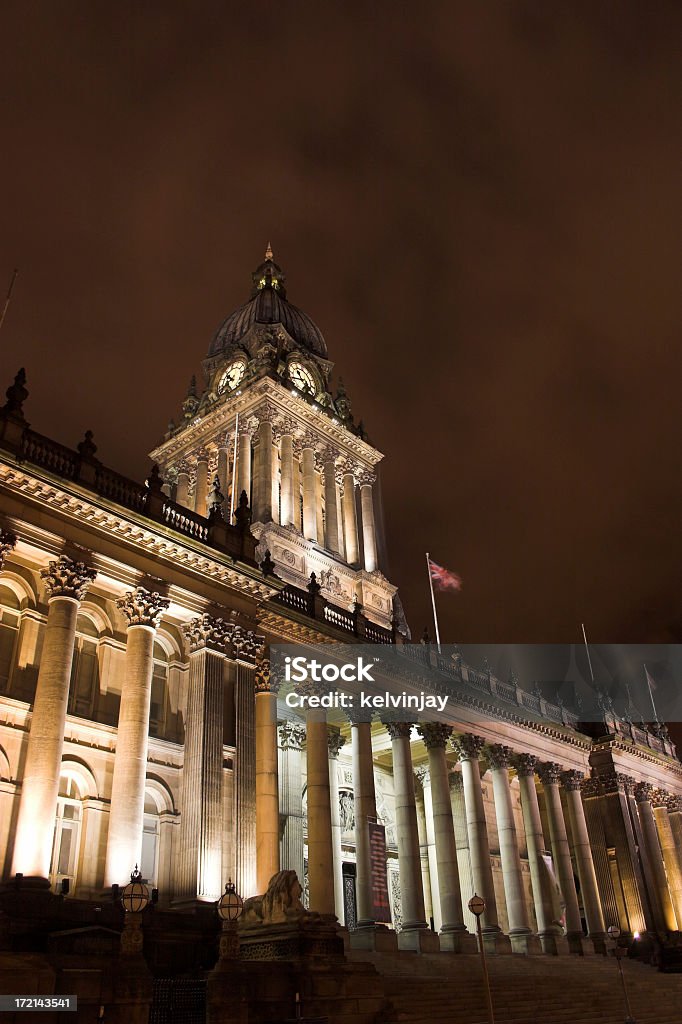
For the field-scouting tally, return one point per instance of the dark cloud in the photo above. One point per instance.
(479, 204)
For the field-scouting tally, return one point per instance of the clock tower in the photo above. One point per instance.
(267, 424)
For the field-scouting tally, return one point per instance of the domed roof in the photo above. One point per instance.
(268, 305)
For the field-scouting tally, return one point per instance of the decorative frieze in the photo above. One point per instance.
(142, 607)
(66, 578)
(206, 632)
(435, 734)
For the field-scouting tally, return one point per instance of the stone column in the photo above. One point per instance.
(201, 483)
(589, 890)
(427, 846)
(468, 749)
(350, 520)
(330, 504)
(522, 938)
(66, 582)
(453, 934)
(287, 466)
(369, 540)
(549, 932)
(658, 879)
(200, 875)
(243, 466)
(267, 777)
(550, 775)
(309, 492)
(415, 934)
(459, 817)
(659, 801)
(675, 813)
(262, 482)
(224, 466)
(292, 741)
(182, 489)
(126, 816)
(334, 742)
(320, 844)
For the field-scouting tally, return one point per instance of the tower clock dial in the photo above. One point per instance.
(301, 377)
(232, 376)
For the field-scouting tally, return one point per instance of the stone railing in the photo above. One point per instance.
(41, 451)
(311, 603)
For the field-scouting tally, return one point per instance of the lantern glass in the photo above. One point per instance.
(614, 932)
(230, 904)
(135, 896)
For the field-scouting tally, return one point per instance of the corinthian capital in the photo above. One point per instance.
(467, 746)
(142, 607)
(550, 773)
(8, 541)
(500, 756)
(435, 734)
(526, 765)
(334, 742)
(572, 779)
(292, 736)
(206, 633)
(66, 578)
(365, 476)
(643, 791)
(398, 730)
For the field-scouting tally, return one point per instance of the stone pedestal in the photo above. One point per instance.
(419, 940)
(374, 937)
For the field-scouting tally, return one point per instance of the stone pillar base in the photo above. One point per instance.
(526, 943)
(419, 940)
(554, 943)
(579, 945)
(599, 942)
(460, 941)
(495, 942)
(374, 937)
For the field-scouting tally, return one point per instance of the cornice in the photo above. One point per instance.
(652, 756)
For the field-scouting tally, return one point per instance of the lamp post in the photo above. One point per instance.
(614, 935)
(135, 898)
(230, 906)
(477, 906)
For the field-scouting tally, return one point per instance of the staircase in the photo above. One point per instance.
(444, 989)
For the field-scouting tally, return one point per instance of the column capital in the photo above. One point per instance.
(499, 756)
(8, 542)
(66, 578)
(572, 779)
(359, 716)
(616, 782)
(590, 787)
(434, 734)
(550, 773)
(659, 798)
(206, 633)
(366, 477)
(456, 781)
(525, 764)
(467, 746)
(399, 730)
(673, 803)
(244, 644)
(265, 680)
(334, 742)
(291, 736)
(644, 792)
(141, 607)
(422, 773)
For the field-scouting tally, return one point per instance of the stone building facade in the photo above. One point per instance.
(139, 723)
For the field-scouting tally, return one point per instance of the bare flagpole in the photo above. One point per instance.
(651, 695)
(433, 600)
(587, 650)
(9, 297)
(234, 468)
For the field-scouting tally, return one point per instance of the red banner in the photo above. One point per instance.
(381, 908)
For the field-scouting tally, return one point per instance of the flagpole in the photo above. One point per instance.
(651, 695)
(9, 297)
(433, 600)
(234, 467)
(587, 650)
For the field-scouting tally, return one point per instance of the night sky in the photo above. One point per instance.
(479, 204)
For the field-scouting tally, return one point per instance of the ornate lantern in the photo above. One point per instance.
(135, 896)
(230, 904)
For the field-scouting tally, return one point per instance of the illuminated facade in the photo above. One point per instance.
(139, 723)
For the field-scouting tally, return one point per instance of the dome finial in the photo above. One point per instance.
(268, 252)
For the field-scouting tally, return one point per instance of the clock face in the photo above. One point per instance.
(232, 376)
(302, 378)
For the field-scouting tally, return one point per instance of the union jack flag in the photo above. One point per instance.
(443, 578)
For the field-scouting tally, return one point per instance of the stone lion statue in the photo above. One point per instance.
(282, 901)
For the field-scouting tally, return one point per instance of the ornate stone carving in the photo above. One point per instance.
(499, 756)
(8, 542)
(659, 798)
(435, 734)
(467, 746)
(335, 741)
(207, 633)
(347, 811)
(673, 803)
(572, 779)
(244, 644)
(456, 781)
(142, 607)
(365, 476)
(265, 680)
(422, 774)
(398, 730)
(615, 782)
(550, 773)
(282, 902)
(590, 787)
(643, 791)
(526, 765)
(66, 578)
(291, 736)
